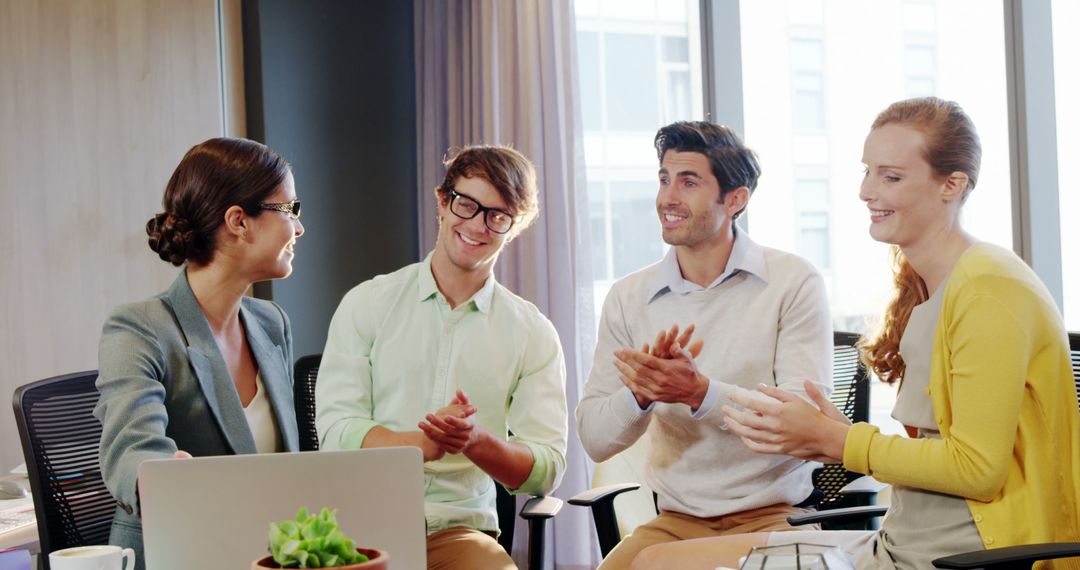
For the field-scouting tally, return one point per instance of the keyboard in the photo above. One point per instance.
(14, 519)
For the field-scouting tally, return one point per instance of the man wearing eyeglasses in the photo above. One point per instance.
(439, 356)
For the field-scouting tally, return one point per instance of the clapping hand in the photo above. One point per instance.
(665, 372)
(668, 340)
(452, 427)
(787, 424)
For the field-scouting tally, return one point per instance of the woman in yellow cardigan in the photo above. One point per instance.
(982, 357)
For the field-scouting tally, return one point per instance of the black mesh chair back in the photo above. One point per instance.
(60, 438)
(304, 373)
(851, 394)
(1074, 353)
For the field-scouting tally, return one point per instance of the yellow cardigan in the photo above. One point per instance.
(1002, 388)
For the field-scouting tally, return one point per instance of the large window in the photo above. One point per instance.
(640, 68)
(846, 62)
(815, 73)
(1066, 18)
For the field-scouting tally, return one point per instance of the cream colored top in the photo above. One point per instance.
(260, 418)
(927, 524)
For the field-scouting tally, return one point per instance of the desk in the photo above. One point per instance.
(24, 537)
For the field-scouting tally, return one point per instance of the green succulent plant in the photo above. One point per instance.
(312, 541)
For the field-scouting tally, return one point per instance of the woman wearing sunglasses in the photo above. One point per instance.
(201, 369)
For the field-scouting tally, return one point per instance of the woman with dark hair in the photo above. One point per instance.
(981, 354)
(201, 369)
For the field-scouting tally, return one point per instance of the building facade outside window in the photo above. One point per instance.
(639, 63)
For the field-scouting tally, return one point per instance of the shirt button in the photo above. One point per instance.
(989, 540)
(927, 389)
(977, 518)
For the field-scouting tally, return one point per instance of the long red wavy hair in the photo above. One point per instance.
(951, 145)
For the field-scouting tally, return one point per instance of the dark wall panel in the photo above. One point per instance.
(331, 86)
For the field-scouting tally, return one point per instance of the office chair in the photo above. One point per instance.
(537, 510)
(851, 394)
(60, 438)
(304, 373)
(1020, 557)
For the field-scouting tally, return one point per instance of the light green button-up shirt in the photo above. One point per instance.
(396, 351)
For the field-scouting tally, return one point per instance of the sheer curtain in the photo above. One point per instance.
(497, 72)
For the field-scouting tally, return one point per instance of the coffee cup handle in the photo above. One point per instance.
(129, 559)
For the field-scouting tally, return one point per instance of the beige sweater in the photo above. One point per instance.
(767, 322)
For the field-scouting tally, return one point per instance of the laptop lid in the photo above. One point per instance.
(215, 512)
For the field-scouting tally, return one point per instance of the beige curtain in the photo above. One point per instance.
(503, 72)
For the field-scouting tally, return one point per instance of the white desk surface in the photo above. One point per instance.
(24, 537)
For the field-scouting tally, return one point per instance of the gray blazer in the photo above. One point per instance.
(164, 386)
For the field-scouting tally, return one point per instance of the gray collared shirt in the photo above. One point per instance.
(745, 256)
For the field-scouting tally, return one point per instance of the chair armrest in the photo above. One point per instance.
(1010, 557)
(601, 500)
(537, 511)
(599, 494)
(836, 515)
(541, 508)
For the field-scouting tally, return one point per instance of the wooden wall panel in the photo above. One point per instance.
(98, 101)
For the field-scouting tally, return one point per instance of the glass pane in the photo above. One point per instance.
(808, 110)
(920, 87)
(589, 79)
(919, 60)
(919, 15)
(630, 9)
(812, 194)
(807, 55)
(1066, 18)
(900, 47)
(677, 102)
(635, 228)
(676, 49)
(814, 238)
(601, 230)
(631, 78)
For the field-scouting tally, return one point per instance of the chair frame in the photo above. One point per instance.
(68, 513)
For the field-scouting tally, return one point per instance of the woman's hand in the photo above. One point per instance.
(787, 424)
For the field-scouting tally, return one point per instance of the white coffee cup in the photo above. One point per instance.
(97, 557)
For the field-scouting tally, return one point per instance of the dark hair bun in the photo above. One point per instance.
(171, 237)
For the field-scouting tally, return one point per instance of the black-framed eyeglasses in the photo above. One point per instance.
(290, 208)
(466, 208)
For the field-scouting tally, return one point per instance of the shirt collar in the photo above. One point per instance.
(427, 288)
(746, 256)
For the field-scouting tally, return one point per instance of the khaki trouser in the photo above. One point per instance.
(670, 526)
(466, 548)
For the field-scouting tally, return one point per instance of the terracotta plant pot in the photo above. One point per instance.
(377, 560)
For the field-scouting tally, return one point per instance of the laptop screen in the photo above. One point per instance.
(215, 512)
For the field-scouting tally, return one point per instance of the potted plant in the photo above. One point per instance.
(315, 541)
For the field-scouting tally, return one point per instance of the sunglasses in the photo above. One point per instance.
(290, 208)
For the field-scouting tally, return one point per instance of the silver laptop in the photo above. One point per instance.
(215, 512)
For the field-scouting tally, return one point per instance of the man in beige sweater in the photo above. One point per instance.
(763, 316)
